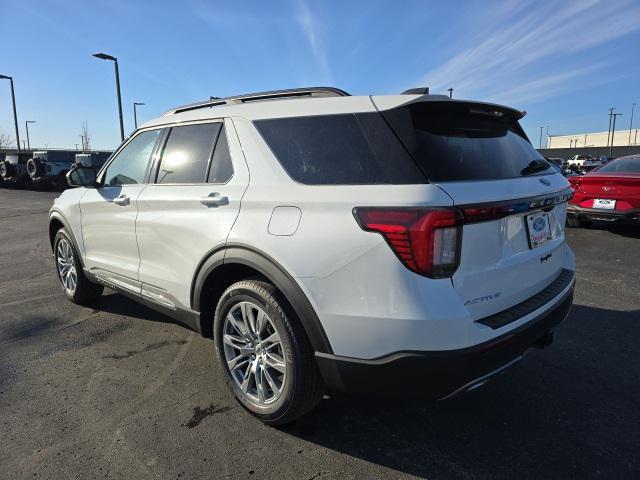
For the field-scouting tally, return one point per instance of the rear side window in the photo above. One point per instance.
(221, 169)
(339, 150)
(454, 142)
(186, 154)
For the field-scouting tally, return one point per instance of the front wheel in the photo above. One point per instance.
(266, 357)
(75, 284)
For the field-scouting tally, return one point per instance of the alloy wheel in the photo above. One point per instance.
(254, 353)
(66, 266)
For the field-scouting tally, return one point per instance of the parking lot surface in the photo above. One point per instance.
(120, 391)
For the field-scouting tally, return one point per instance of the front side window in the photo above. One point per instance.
(130, 165)
(187, 152)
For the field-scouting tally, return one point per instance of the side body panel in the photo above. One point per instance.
(175, 231)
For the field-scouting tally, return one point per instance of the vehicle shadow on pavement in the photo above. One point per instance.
(118, 304)
(626, 231)
(569, 411)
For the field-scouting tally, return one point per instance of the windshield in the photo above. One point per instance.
(622, 165)
(453, 142)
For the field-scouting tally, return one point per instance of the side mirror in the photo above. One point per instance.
(81, 176)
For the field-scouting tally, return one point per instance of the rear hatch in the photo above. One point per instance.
(514, 203)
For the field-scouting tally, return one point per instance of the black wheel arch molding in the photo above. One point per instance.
(241, 254)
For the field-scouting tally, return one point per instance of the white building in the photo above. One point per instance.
(596, 139)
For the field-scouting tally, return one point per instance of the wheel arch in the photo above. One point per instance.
(56, 222)
(226, 265)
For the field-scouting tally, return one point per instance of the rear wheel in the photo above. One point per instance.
(75, 284)
(266, 357)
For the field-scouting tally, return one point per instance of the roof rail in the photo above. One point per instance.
(271, 95)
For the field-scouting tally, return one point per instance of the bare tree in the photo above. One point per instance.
(86, 137)
(5, 140)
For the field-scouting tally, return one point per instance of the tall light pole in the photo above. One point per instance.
(450, 90)
(613, 132)
(631, 121)
(82, 138)
(15, 115)
(104, 56)
(609, 131)
(26, 126)
(135, 114)
(541, 136)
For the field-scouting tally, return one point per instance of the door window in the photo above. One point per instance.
(221, 169)
(130, 165)
(187, 152)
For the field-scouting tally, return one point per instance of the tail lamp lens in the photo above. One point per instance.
(427, 241)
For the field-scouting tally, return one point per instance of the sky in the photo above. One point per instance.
(564, 62)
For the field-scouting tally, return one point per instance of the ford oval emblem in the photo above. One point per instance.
(544, 181)
(539, 224)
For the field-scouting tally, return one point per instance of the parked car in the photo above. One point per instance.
(327, 242)
(13, 169)
(93, 159)
(608, 194)
(50, 167)
(558, 161)
(579, 160)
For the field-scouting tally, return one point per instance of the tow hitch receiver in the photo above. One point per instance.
(544, 341)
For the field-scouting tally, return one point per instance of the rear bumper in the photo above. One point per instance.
(441, 374)
(603, 216)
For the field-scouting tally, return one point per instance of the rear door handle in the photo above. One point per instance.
(122, 200)
(214, 199)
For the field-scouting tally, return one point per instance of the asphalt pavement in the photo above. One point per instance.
(120, 391)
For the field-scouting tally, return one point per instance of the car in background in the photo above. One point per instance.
(579, 160)
(92, 159)
(13, 169)
(557, 160)
(608, 194)
(50, 167)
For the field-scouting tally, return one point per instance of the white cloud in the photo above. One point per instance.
(312, 31)
(522, 53)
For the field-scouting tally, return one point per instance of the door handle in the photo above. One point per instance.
(122, 200)
(214, 200)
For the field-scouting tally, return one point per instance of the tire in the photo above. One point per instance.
(7, 170)
(573, 222)
(300, 383)
(75, 284)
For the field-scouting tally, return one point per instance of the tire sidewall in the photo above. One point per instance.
(244, 293)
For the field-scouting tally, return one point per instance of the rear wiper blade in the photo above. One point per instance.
(535, 166)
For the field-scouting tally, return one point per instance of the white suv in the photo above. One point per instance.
(380, 244)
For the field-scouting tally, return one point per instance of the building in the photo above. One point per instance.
(622, 138)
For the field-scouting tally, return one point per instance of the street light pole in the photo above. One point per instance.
(613, 132)
(541, 136)
(135, 114)
(631, 121)
(450, 90)
(104, 56)
(15, 115)
(609, 130)
(26, 126)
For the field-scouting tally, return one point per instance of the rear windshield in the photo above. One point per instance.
(343, 149)
(622, 165)
(453, 142)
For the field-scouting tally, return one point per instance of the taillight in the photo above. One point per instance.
(427, 241)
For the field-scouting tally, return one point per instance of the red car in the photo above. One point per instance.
(608, 194)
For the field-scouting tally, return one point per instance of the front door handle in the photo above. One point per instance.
(214, 199)
(122, 200)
